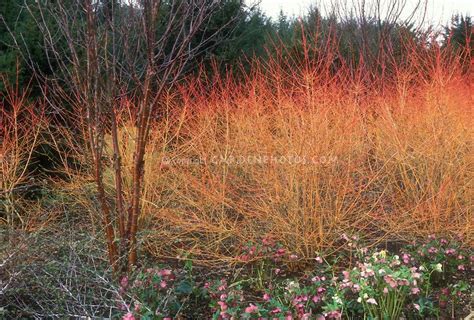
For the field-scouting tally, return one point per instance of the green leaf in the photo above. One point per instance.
(184, 287)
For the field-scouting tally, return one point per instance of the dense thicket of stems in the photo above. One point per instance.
(108, 54)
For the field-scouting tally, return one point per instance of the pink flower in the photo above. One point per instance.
(319, 259)
(415, 290)
(444, 241)
(267, 242)
(416, 306)
(334, 315)
(432, 250)
(124, 282)
(385, 290)
(128, 316)
(163, 284)
(346, 284)
(137, 307)
(370, 273)
(461, 267)
(244, 258)
(450, 252)
(296, 300)
(275, 311)
(345, 274)
(316, 299)
(223, 285)
(167, 318)
(371, 301)
(280, 252)
(445, 291)
(390, 281)
(266, 297)
(223, 297)
(403, 282)
(293, 257)
(164, 272)
(406, 258)
(223, 305)
(252, 250)
(251, 309)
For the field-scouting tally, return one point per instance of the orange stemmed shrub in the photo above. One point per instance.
(302, 152)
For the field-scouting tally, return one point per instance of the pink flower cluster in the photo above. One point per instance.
(266, 249)
(225, 297)
(351, 241)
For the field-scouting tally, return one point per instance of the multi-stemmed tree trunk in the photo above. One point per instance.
(137, 50)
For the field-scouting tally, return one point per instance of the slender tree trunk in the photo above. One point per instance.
(109, 229)
(138, 173)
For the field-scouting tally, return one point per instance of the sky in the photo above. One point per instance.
(438, 11)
